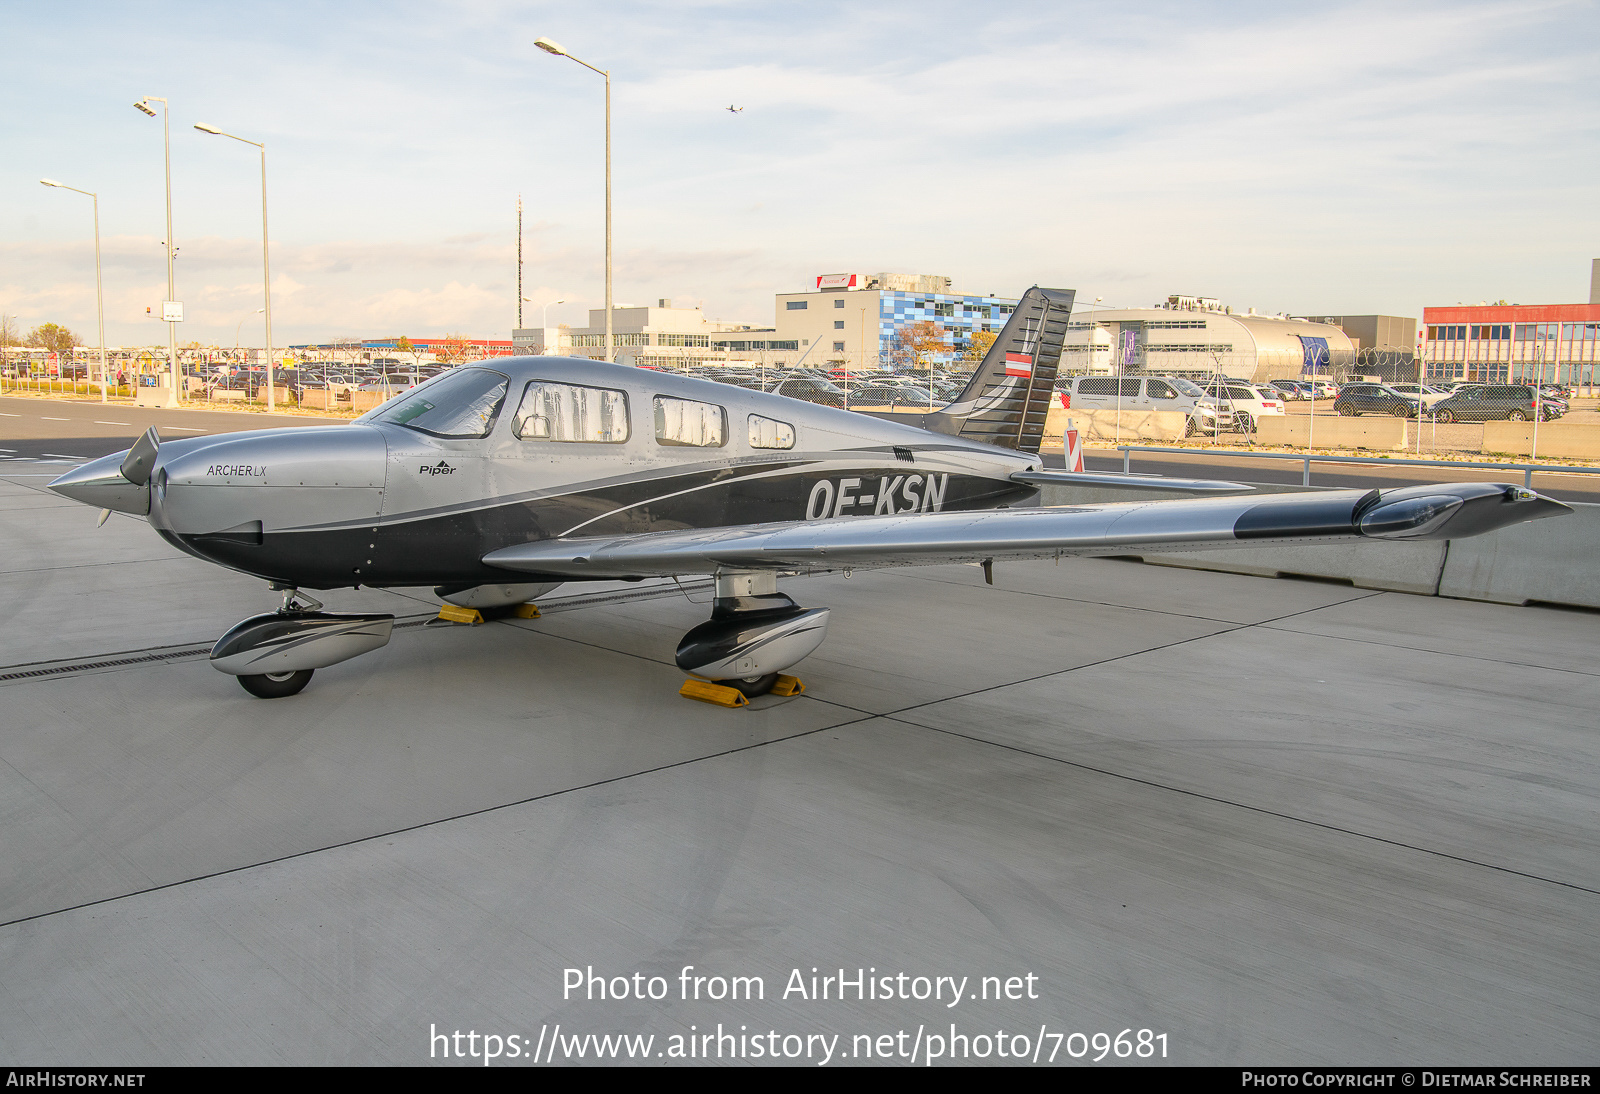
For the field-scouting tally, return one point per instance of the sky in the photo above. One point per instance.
(1310, 158)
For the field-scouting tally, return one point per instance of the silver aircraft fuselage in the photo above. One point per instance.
(384, 504)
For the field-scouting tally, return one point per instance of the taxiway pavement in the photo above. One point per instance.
(1277, 822)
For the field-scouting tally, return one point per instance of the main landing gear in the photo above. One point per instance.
(754, 633)
(274, 655)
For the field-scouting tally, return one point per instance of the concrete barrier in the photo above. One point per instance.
(1376, 433)
(1558, 440)
(1548, 561)
(316, 399)
(1102, 425)
(363, 401)
(1551, 561)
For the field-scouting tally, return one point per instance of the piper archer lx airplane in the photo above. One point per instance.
(497, 481)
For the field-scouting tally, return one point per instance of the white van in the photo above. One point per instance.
(1147, 393)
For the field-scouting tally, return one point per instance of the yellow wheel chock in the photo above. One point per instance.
(526, 611)
(454, 613)
(707, 692)
(787, 685)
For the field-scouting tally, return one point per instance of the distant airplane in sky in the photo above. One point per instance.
(735, 109)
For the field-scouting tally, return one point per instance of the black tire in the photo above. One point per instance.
(1346, 411)
(1516, 416)
(1190, 429)
(1243, 423)
(757, 685)
(279, 685)
(1443, 417)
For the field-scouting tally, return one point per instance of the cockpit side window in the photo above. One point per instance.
(770, 433)
(686, 423)
(570, 412)
(461, 403)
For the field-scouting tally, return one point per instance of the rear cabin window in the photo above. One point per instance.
(569, 412)
(770, 433)
(1097, 386)
(461, 403)
(685, 423)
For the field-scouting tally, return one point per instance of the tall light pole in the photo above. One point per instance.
(544, 314)
(143, 106)
(266, 267)
(552, 48)
(99, 296)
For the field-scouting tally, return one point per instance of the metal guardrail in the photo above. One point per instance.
(1527, 469)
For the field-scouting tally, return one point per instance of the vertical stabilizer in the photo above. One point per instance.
(1008, 398)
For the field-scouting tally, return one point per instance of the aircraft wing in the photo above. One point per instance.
(1444, 511)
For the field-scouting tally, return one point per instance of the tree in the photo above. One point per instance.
(913, 346)
(55, 338)
(453, 349)
(981, 341)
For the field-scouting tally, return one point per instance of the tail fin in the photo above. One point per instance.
(1008, 398)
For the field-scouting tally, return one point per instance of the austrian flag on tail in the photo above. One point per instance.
(1019, 364)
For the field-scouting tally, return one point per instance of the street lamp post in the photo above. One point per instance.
(555, 50)
(99, 296)
(5, 334)
(266, 267)
(143, 106)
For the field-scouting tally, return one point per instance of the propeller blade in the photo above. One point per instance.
(141, 458)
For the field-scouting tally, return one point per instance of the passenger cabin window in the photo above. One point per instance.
(1160, 390)
(769, 433)
(462, 403)
(685, 423)
(568, 412)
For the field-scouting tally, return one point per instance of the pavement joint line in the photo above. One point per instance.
(1136, 607)
(419, 826)
(1439, 653)
(95, 565)
(33, 670)
(1261, 809)
(1121, 656)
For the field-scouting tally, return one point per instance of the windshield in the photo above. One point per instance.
(461, 403)
(1188, 387)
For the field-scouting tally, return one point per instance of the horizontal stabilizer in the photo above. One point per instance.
(1130, 482)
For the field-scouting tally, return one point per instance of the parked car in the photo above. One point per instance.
(1367, 398)
(1431, 396)
(1291, 390)
(1489, 402)
(1148, 393)
(1248, 402)
(811, 390)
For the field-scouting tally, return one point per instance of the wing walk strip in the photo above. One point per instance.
(864, 717)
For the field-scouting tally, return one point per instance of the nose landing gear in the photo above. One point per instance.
(274, 655)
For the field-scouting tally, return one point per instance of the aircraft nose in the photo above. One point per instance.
(100, 483)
